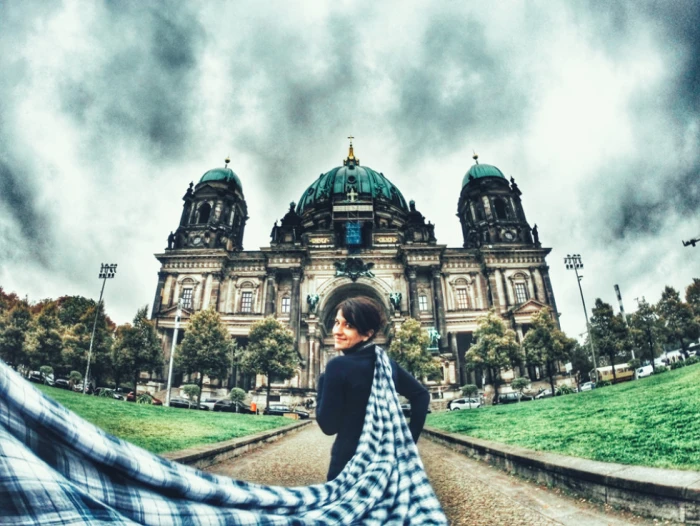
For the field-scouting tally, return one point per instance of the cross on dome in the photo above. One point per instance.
(352, 194)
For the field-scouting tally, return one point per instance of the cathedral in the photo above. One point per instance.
(352, 233)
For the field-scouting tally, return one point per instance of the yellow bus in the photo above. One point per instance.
(623, 373)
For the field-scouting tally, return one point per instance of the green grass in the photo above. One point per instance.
(162, 429)
(653, 421)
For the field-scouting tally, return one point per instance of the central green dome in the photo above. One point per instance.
(225, 175)
(340, 181)
(481, 170)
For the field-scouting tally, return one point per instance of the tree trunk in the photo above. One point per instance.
(267, 398)
(136, 384)
(612, 363)
(494, 378)
(201, 383)
(550, 371)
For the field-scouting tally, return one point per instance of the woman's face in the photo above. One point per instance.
(346, 336)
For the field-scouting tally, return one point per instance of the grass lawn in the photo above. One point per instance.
(653, 421)
(161, 429)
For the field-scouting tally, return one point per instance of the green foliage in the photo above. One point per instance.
(470, 390)
(545, 344)
(192, 391)
(659, 369)
(648, 423)
(205, 347)
(520, 384)
(136, 349)
(270, 352)
(106, 393)
(565, 389)
(692, 360)
(46, 370)
(677, 365)
(581, 361)
(603, 383)
(237, 394)
(610, 333)
(692, 297)
(680, 325)
(144, 398)
(14, 326)
(409, 348)
(634, 363)
(161, 429)
(75, 378)
(45, 341)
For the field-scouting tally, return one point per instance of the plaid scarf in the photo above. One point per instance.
(57, 469)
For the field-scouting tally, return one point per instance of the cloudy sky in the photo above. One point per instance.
(109, 109)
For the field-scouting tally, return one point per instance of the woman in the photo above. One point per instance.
(344, 388)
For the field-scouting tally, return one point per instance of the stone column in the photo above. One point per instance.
(501, 288)
(295, 303)
(413, 292)
(439, 305)
(207, 292)
(544, 270)
(491, 291)
(158, 299)
(455, 353)
(539, 285)
(270, 301)
(532, 285)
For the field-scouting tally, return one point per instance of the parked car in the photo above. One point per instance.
(511, 398)
(227, 406)
(463, 403)
(281, 410)
(587, 386)
(131, 397)
(62, 383)
(78, 388)
(38, 378)
(547, 393)
(182, 403)
(208, 403)
(108, 392)
(643, 371)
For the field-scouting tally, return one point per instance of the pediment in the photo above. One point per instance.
(530, 307)
(169, 312)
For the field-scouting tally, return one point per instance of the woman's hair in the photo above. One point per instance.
(364, 314)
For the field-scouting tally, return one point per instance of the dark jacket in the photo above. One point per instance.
(343, 393)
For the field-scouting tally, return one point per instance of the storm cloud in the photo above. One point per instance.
(108, 110)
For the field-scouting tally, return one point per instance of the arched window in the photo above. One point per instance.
(461, 294)
(204, 213)
(501, 208)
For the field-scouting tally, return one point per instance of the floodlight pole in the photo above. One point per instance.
(574, 262)
(107, 271)
(178, 313)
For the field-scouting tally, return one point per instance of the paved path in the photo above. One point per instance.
(471, 492)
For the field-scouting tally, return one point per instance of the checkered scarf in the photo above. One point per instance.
(57, 469)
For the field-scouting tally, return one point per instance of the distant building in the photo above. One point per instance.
(353, 233)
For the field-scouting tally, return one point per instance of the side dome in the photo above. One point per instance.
(342, 180)
(481, 170)
(224, 175)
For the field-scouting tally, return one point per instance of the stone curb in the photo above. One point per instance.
(204, 456)
(662, 493)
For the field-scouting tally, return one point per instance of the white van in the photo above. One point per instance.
(644, 371)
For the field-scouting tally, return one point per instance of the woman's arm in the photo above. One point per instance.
(330, 398)
(418, 396)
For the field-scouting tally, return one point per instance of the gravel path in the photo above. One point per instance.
(471, 492)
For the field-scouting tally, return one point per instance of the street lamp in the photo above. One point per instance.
(573, 262)
(107, 271)
(172, 351)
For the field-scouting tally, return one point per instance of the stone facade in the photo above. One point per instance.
(353, 233)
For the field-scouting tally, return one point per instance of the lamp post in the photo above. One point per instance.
(573, 262)
(107, 271)
(178, 313)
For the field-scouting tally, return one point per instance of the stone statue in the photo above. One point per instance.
(536, 235)
(275, 233)
(171, 240)
(434, 336)
(395, 299)
(312, 300)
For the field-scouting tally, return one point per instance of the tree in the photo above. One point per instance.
(192, 391)
(45, 341)
(409, 348)
(14, 326)
(136, 349)
(610, 333)
(496, 346)
(581, 362)
(646, 331)
(545, 344)
(237, 395)
(74, 378)
(470, 390)
(46, 371)
(692, 297)
(680, 325)
(270, 352)
(519, 384)
(205, 347)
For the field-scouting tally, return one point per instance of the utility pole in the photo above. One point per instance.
(107, 271)
(178, 313)
(573, 262)
(622, 309)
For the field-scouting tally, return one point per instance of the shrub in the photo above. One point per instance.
(661, 369)
(469, 390)
(565, 390)
(634, 363)
(144, 398)
(692, 360)
(677, 365)
(106, 393)
(46, 370)
(603, 383)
